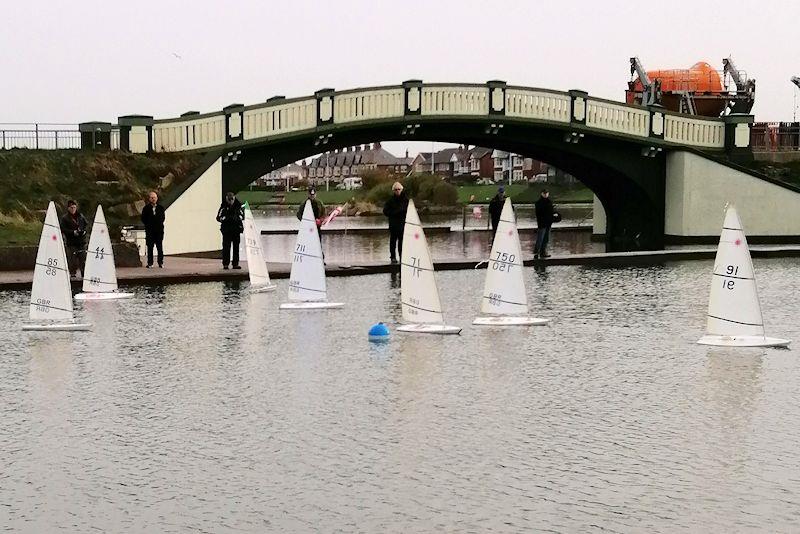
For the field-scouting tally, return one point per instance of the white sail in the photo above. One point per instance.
(733, 307)
(100, 274)
(256, 265)
(504, 289)
(307, 279)
(418, 293)
(51, 294)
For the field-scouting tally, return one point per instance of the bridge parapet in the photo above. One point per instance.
(414, 99)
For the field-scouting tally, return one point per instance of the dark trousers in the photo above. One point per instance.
(396, 240)
(76, 258)
(542, 238)
(230, 241)
(154, 242)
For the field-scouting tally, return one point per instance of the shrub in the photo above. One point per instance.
(380, 193)
(444, 194)
(373, 177)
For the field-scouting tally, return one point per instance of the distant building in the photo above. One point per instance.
(284, 177)
(351, 162)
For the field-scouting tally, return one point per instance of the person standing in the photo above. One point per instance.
(544, 220)
(73, 227)
(496, 208)
(230, 217)
(395, 210)
(318, 208)
(153, 215)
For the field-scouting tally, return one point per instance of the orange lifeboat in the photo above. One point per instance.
(700, 79)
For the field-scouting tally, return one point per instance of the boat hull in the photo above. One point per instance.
(510, 321)
(103, 296)
(262, 289)
(441, 329)
(311, 305)
(743, 341)
(63, 327)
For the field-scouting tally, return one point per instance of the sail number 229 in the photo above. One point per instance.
(730, 270)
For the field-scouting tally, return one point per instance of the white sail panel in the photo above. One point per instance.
(418, 293)
(51, 294)
(504, 288)
(733, 307)
(100, 274)
(256, 265)
(307, 278)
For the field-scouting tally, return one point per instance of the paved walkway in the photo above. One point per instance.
(179, 270)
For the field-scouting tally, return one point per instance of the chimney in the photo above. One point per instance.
(345, 149)
(378, 145)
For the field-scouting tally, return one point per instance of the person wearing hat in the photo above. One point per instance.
(395, 210)
(544, 220)
(230, 217)
(73, 227)
(317, 207)
(496, 208)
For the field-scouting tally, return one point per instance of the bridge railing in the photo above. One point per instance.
(282, 116)
(374, 104)
(194, 133)
(617, 118)
(278, 116)
(455, 100)
(687, 130)
(537, 104)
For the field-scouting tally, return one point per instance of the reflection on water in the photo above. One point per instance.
(204, 407)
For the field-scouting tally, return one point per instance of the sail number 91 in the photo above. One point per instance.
(730, 270)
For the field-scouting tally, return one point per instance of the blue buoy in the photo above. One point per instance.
(379, 332)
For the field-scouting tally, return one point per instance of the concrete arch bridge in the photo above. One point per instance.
(658, 176)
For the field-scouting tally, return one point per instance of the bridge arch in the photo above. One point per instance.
(617, 150)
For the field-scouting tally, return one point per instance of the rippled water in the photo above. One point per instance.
(201, 407)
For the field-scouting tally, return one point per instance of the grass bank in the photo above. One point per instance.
(30, 179)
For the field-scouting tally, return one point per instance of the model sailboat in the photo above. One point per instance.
(51, 294)
(100, 272)
(422, 309)
(504, 301)
(256, 265)
(307, 290)
(734, 312)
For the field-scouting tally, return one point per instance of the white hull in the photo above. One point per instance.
(262, 289)
(441, 329)
(510, 321)
(743, 341)
(63, 327)
(103, 296)
(311, 305)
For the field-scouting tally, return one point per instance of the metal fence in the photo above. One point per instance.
(39, 136)
(775, 136)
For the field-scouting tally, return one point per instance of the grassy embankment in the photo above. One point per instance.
(29, 179)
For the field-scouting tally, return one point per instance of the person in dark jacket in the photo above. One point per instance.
(496, 208)
(395, 210)
(230, 217)
(73, 227)
(316, 206)
(544, 220)
(153, 215)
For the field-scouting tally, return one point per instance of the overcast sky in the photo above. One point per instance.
(96, 60)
